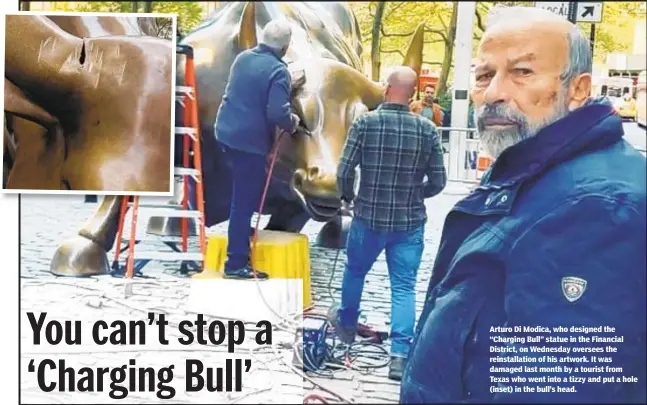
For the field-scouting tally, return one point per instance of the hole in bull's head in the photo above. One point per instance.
(82, 56)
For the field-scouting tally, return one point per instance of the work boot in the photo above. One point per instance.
(245, 273)
(345, 334)
(396, 368)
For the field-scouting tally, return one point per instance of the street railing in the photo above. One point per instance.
(467, 161)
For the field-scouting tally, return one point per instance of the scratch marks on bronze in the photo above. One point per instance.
(72, 63)
(94, 65)
(120, 77)
(44, 51)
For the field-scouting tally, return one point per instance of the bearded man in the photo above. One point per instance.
(541, 269)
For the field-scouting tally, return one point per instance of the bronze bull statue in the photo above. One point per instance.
(324, 52)
(88, 102)
(332, 92)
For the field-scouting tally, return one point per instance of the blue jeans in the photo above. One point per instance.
(403, 256)
(248, 179)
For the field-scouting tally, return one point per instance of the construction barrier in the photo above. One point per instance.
(467, 161)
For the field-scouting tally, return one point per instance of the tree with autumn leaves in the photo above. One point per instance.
(386, 27)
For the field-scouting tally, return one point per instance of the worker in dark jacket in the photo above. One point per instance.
(538, 288)
(256, 101)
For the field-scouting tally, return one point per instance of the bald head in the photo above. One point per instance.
(400, 85)
(533, 69)
(402, 77)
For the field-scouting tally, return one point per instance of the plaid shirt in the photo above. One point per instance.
(394, 149)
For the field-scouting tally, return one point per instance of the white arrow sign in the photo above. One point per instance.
(590, 12)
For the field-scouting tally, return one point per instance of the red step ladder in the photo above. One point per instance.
(186, 95)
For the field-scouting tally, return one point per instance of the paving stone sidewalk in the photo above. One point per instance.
(48, 220)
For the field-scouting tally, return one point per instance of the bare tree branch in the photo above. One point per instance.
(384, 34)
(393, 9)
(399, 52)
(483, 7)
(442, 21)
(440, 32)
(479, 21)
(435, 41)
(431, 30)
(424, 62)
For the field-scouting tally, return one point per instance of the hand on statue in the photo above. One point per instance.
(346, 208)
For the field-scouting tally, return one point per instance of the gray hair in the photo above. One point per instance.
(579, 57)
(277, 34)
(579, 48)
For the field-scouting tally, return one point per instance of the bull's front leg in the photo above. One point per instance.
(334, 234)
(86, 254)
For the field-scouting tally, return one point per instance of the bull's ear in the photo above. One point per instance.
(17, 103)
(247, 28)
(413, 57)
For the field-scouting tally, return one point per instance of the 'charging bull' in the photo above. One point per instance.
(330, 91)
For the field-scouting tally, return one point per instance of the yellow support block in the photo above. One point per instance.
(279, 254)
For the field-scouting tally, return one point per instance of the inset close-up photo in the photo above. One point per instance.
(88, 103)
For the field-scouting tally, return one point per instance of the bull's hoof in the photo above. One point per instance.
(79, 257)
(169, 226)
(334, 234)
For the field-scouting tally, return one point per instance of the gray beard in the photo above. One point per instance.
(494, 142)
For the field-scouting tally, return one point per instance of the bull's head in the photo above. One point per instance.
(329, 99)
(332, 96)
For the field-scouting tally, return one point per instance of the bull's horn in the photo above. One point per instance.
(247, 29)
(413, 57)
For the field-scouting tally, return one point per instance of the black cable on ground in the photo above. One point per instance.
(363, 355)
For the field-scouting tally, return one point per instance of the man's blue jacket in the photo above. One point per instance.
(256, 100)
(553, 237)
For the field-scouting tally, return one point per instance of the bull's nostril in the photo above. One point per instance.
(313, 171)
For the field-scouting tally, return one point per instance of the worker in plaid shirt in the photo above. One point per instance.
(395, 150)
